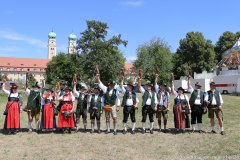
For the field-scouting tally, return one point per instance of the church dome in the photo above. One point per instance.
(72, 36)
(52, 35)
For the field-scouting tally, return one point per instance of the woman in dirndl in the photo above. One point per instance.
(12, 111)
(66, 120)
(181, 109)
(48, 122)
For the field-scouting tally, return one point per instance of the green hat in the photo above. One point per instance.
(111, 82)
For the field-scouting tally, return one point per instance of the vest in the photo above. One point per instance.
(110, 100)
(126, 96)
(13, 99)
(183, 102)
(210, 97)
(97, 104)
(194, 97)
(34, 99)
(82, 103)
(146, 96)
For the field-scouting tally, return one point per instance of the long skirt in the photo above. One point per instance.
(179, 117)
(12, 119)
(66, 121)
(48, 118)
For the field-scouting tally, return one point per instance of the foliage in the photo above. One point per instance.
(194, 52)
(155, 53)
(225, 42)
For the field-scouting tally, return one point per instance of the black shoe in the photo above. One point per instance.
(115, 132)
(151, 131)
(193, 131)
(91, 131)
(222, 133)
(69, 131)
(201, 131)
(14, 132)
(160, 130)
(214, 132)
(124, 132)
(143, 131)
(133, 132)
(107, 132)
(183, 131)
(99, 131)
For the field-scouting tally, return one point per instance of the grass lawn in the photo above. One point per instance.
(81, 145)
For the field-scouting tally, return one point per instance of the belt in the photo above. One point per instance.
(67, 102)
(13, 101)
(128, 106)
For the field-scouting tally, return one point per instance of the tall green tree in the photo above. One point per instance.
(96, 49)
(225, 42)
(63, 66)
(194, 52)
(155, 53)
(31, 80)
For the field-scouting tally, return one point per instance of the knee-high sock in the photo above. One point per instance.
(159, 123)
(151, 125)
(92, 126)
(115, 125)
(108, 126)
(193, 127)
(199, 126)
(143, 125)
(125, 126)
(30, 125)
(38, 125)
(99, 125)
(133, 126)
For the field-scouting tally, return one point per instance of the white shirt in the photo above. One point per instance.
(13, 95)
(182, 96)
(66, 98)
(104, 89)
(142, 90)
(165, 99)
(198, 99)
(96, 97)
(129, 101)
(214, 102)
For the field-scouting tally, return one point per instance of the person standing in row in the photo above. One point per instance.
(149, 104)
(197, 105)
(95, 102)
(12, 111)
(181, 109)
(81, 109)
(214, 100)
(48, 122)
(111, 101)
(163, 98)
(130, 104)
(33, 106)
(66, 115)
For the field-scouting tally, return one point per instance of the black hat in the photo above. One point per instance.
(212, 84)
(83, 86)
(14, 86)
(162, 84)
(68, 89)
(197, 84)
(148, 83)
(36, 85)
(65, 83)
(111, 82)
(180, 88)
(97, 87)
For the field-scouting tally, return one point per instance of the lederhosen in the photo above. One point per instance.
(197, 110)
(81, 107)
(34, 103)
(95, 113)
(161, 109)
(180, 110)
(129, 109)
(148, 109)
(12, 119)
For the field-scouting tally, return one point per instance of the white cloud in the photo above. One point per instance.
(8, 49)
(20, 37)
(131, 3)
(131, 59)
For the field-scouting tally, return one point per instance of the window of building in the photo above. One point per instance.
(8, 69)
(1, 69)
(34, 69)
(35, 64)
(21, 64)
(8, 63)
(21, 69)
(15, 69)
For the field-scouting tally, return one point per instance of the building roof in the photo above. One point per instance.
(23, 62)
(128, 66)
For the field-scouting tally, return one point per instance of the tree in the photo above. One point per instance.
(194, 52)
(62, 67)
(31, 80)
(97, 50)
(225, 42)
(155, 53)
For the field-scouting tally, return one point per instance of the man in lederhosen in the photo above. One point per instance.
(111, 103)
(33, 106)
(149, 104)
(95, 102)
(81, 109)
(130, 104)
(163, 98)
(214, 101)
(197, 106)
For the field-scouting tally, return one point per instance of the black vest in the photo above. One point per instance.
(82, 103)
(128, 95)
(110, 100)
(194, 97)
(210, 97)
(97, 103)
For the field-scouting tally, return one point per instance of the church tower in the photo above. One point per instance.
(52, 45)
(72, 43)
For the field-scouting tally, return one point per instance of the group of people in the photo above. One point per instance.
(155, 101)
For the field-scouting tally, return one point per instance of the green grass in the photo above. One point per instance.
(157, 146)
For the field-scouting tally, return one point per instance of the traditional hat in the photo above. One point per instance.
(148, 83)
(130, 82)
(180, 88)
(162, 84)
(65, 83)
(68, 89)
(212, 84)
(83, 86)
(111, 82)
(36, 85)
(14, 86)
(197, 84)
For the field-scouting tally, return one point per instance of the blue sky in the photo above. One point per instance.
(25, 24)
